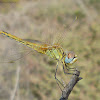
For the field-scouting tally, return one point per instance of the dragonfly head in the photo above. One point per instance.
(70, 58)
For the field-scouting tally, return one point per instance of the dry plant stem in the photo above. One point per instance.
(16, 85)
(67, 90)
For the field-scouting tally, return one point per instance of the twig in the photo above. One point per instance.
(67, 90)
(16, 85)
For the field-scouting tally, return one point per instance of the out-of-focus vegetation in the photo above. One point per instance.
(9, 1)
(48, 21)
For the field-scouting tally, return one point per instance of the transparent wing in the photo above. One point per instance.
(61, 32)
(12, 51)
(35, 41)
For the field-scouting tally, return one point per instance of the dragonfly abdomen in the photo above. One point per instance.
(34, 46)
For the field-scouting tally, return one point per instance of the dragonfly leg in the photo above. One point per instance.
(57, 80)
(68, 70)
(71, 69)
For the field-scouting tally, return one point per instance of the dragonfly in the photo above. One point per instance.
(54, 51)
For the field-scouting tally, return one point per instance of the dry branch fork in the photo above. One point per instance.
(67, 90)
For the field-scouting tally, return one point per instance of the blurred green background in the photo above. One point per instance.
(32, 76)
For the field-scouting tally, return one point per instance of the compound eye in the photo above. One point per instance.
(69, 55)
